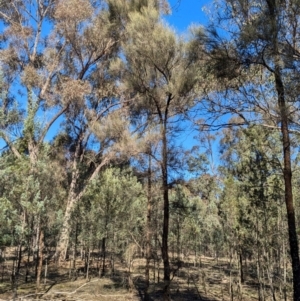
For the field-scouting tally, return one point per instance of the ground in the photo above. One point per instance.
(208, 281)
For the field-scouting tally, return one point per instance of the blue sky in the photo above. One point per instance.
(186, 12)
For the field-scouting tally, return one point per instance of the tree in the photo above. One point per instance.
(252, 202)
(160, 77)
(62, 75)
(113, 210)
(258, 61)
(31, 206)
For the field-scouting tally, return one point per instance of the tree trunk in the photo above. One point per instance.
(103, 255)
(62, 246)
(27, 261)
(287, 173)
(287, 169)
(14, 282)
(149, 231)
(87, 263)
(178, 239)
(284, 272)
(165, 250)
(242, 280)
(75, 247)
(19, 257)
(40, 259)
(74, 196)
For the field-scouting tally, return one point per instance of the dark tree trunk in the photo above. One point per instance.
(103, 255)
(149, 230)
(75, 247)
(241, 267)
(287, 173)
(19, 253)
(165, 250)
(40, 259)
(274, 8)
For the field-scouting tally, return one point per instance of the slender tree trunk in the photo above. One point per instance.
(258, 264)
(287, 172)
(149, 230)
(287, 169)
(62, 246)
(87, 263)
(40, 259)
(19, 257)
(14, 278)
(46, 271)
(36, 246)
(241, 267)
(284, 272)
(75, 247)
(178, 239)
(165, 235)
(195, 251)
(73, 198)
(28, 261)
(103, 255)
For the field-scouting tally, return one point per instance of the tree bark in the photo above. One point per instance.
(149, 230)
(103, 255)
(40, 259)
(74, 196)
(287, 173)
(241, 272)
(165, 235)
(62, 246)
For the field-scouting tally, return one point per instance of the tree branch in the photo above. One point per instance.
(10, 145)
(47, 127)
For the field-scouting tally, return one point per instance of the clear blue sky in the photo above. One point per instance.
(186, 12)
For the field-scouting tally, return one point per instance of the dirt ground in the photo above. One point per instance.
(208, 281)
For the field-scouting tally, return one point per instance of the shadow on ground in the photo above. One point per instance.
(156, 292)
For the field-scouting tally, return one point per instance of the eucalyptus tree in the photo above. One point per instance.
(160, 77)
(32, 62)
(257, 63)
(57, 53)
(96, 124)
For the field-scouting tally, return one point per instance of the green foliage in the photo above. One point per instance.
(28, 194)
(253, 189)
(114, 204)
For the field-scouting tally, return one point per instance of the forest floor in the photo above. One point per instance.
(208, 281)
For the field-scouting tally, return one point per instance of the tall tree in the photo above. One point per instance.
(259, 62)
(61, 75)
(160, 78)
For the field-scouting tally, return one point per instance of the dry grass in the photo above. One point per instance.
(208, 281)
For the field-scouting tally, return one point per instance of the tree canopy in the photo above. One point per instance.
(99, 101)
